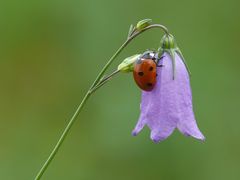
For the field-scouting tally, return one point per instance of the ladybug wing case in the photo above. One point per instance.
(144, 74)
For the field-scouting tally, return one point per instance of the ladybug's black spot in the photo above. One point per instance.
(149, 84)
(151, 68)
(140, 73)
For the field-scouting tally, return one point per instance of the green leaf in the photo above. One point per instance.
(131, 29)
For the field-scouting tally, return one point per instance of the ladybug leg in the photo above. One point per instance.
(160, 60)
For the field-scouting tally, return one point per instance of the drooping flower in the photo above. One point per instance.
(169, 104)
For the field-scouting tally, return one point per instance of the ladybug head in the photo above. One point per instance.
(148, 55)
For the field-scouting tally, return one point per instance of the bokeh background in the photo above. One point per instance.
(51, 51)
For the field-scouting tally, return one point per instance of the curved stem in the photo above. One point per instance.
(129, 39)
(96, 84)
(103, 81)
(165, 29)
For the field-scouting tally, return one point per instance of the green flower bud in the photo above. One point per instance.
(143, 23)
(168, 42)
(128, 63)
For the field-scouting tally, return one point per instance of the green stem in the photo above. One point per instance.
(63, 136)
(103, 81)
(133, 35)
(96, 84)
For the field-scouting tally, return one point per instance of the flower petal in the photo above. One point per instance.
(186, 120)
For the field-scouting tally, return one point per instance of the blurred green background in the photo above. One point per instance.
(51, 51)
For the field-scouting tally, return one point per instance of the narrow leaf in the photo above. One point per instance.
(131, 28)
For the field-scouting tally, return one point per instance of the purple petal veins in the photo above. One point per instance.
(169, 104)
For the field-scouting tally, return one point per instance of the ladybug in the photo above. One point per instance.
(145, 70)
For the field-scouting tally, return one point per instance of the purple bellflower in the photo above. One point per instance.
(169, 104)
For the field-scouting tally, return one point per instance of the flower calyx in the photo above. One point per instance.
(168, 45)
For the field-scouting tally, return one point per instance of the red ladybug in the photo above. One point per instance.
(145, 70)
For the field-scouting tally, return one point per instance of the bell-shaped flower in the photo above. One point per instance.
(169, 104)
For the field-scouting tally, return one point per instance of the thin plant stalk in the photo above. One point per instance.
(99, 82)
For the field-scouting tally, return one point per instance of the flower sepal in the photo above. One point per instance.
(168, 45)
(178, 51)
